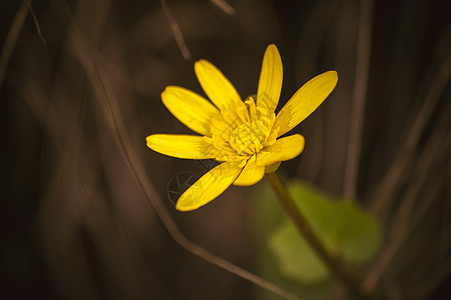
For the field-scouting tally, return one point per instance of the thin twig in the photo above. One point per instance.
(11, 39)
(337, 267)
(403, 222)
(178, 36)
(358, 99)
(224, 6)
(439, 83)
(35, 19)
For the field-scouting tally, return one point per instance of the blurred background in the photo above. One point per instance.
(80, 85)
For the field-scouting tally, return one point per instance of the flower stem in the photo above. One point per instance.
(335, 265)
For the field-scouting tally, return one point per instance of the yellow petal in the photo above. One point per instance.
(208, 187)
(181, 146)
(270, 82)
(250, 175)
(305, 101)
(190, 108)
(284, 149)
(217, 87)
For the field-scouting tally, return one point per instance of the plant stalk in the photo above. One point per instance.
(335, 265)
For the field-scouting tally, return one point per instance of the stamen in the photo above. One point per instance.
(240, 134)
(250, 104)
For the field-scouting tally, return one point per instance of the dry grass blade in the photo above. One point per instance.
(178, 36)
(224, 6)
(35, 19)
(381, 200)
(358, 98)
(57, 210)
(11, 39)
(406, 219)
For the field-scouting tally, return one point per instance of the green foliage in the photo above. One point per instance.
(267, 216)
(296, 259)
(343, 228)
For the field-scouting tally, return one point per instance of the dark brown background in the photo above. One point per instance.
(74, 223)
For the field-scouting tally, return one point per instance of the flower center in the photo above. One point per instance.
(248, 138)
(237, 135)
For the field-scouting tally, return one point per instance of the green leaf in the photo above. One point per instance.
(342, 227)
(296, 259)
(268, 215)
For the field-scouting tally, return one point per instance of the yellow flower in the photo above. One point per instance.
(242, 136)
